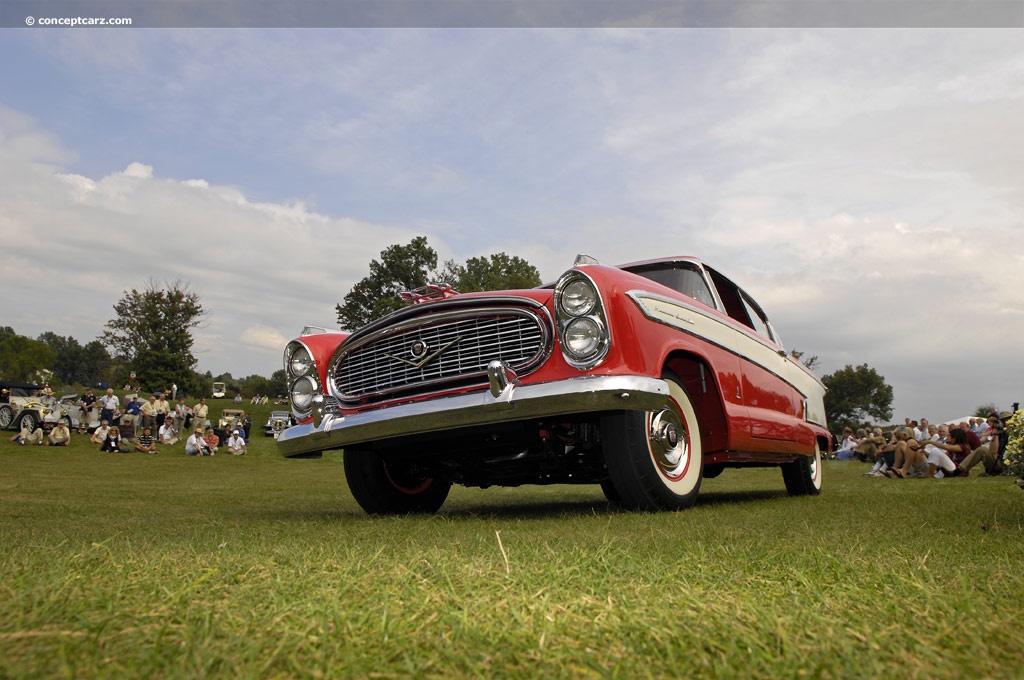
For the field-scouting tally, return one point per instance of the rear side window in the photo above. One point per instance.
(682, 277)
(741, 306)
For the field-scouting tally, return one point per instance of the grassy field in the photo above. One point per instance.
(167, 566)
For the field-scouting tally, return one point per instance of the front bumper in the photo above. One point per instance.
(515, 402)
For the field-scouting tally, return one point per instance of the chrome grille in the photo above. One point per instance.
(442, 350)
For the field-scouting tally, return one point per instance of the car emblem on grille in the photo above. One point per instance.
(421, 352)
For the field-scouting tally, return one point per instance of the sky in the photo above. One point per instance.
(864, 185)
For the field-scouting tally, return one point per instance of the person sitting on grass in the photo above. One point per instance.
(59, 435)
(236, 445)
(992, 450)
(939, 463)
(958, 450)
(212, 440)
(847, 445)
(867, 446)
(909, 458)
(146, 443)
(99, 435)
(195, 445)
(27, 435)
(166, 434)
(112, 442)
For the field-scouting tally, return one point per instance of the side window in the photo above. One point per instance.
(684, 278)
(741, 306)
(756, 316)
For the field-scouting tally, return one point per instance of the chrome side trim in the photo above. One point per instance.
(513, 402)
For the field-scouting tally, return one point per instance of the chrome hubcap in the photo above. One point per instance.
(668, 442)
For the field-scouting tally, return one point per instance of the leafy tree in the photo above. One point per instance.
(984, 410)
(498, 272)
(856, 394)
(278, 384)
(810, 362)
(152, 333)
(407, 267)
(400, 268)
(75, 364)
(23, 358)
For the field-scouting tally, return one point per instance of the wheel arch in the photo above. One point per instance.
(701, 384)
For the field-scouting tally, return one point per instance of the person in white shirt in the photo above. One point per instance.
(196, 445)
(166, 433)
(236, 445)
(99, 435)
(110, 405)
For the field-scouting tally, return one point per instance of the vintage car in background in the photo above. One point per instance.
(644, 378)
(220, 390)
(24, 403)
(278, 422)
(232, 419)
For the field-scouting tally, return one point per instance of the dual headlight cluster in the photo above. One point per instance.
(303, 380)
(581, 320)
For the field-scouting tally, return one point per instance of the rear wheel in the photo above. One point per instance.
(383, 488)
(655, 459)
(803, 477)
(6, 416)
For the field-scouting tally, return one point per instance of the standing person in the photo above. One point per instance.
(109, 406)
(236, 445)
(182, 414)
(59, 435)
(162, 409)
(148, 413)
(200, 413)
(131, 412)
(88, 403)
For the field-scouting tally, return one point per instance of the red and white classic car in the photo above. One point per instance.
(643, 378)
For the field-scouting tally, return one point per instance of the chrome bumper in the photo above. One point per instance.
(563, 397)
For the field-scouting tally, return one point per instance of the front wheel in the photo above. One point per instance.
(383, 488)
(29, 420)
(803, 477)
(655, 459)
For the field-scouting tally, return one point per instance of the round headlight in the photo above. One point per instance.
(299, 361)
(583, 337)
(578, 298)
(302, 394)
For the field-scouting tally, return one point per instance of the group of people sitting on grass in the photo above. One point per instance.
(109, 438)
(926, 450)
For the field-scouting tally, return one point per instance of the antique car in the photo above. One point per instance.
(28, 404)
(231, 419)
(278, 422)
(644, 378)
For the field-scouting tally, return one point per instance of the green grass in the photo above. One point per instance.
(167, 566)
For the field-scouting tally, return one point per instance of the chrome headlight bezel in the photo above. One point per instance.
(301, 394)
(303, 379)
(297, 360)
(580, 314)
